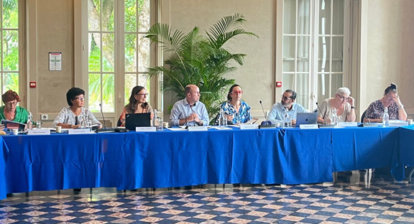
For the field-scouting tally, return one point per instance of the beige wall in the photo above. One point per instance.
(390, 50)
(256, 76)
(49, 29)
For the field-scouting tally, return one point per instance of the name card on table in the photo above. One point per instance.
(248, 126)
(397, 123)
(79, 131)
(39, 131)
(145, 129)
(308, 126)
(347, 124)
(197, 128)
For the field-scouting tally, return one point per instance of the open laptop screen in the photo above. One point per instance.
(306, 118)
(137, 120)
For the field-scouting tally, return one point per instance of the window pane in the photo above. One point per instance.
(144, 15)
(324, 16)
(11, 81)
(108, 91)
(107, 15)
(143, 80)
(10, 14)
(303, 54)
(143, 53)
(289, 16)
(302, 88)
(336, 82)
(94, 87)
(108, 60)
(337, 54)
(288, 65)
(288, 47)
(338, 19)
(323, 54)
(130, 53)
(303, 17)
(94, 52)
(130, 82)
(94, 15)
(10, 51)
(130, 16)
(323, 87)
(288, 81)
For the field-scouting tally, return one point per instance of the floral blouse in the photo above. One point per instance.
(376, 110)
(85, 118)
(243, 114)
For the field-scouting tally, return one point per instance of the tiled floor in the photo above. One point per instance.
(343, 202)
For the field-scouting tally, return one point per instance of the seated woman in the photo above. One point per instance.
(137, 104)
(236, 110)
(11, 112)
(341, 106)
(76, 115)
(390, 100)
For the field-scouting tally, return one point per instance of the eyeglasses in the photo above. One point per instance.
(343, 97)
(286, 97)
(11, 103)
(237, 92)
(142, 94)
(79, 98)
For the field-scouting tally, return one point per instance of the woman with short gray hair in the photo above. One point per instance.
(341, 108)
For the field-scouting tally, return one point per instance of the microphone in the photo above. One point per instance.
(103, 118)
(265, 124)
(261, 104)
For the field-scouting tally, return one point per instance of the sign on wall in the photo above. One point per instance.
(55, 61)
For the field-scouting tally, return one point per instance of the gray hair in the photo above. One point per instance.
(343, 91)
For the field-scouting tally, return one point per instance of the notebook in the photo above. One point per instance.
(306, 118)
(137, 120)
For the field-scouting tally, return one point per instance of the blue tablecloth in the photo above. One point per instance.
(171, 159)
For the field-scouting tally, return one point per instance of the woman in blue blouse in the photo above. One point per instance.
(235, 108)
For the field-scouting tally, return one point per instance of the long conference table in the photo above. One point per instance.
(182, 158)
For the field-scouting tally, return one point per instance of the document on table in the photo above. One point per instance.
(177, 129)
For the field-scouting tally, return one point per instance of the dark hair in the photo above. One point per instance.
(231, 90)
(73, 93)
(392, 87)
(293, 97)
(131, 106)
(10, 95)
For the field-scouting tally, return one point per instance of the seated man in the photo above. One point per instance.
(189, 111)
(286, 107)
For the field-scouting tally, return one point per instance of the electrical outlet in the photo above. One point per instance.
(44, 116)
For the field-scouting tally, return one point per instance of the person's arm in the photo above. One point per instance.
(369, 115)
(121, 121)
(174, 117)
(204, 117)
(402, 115)
(351, 117)
(272, 116)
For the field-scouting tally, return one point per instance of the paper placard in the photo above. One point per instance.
(79, 131)
(308, 126)
(39, 131)
(249, 126)
(348, 124)
(197, 128)
(397, 123)
(145, 129)
(220, 127)
(177, 129)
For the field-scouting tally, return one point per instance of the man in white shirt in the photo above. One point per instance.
(189, 111)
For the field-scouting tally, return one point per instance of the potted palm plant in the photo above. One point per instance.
(194, 58)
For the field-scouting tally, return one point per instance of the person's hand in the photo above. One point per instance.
(193, 117)
(397, 100)
(230, 117)
(75, 126)
(293, 122)
(351, 101)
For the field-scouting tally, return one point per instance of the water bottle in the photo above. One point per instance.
(386, 118)
(224, 117)
(220, 118)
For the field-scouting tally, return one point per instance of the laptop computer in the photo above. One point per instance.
(137, 120)
(306, 118)
(13, 125)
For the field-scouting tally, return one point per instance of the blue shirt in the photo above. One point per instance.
(182, 110)
(243, 113)
(278, 111)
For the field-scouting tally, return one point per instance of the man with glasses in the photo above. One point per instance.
(189, 111)
(286, 109)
